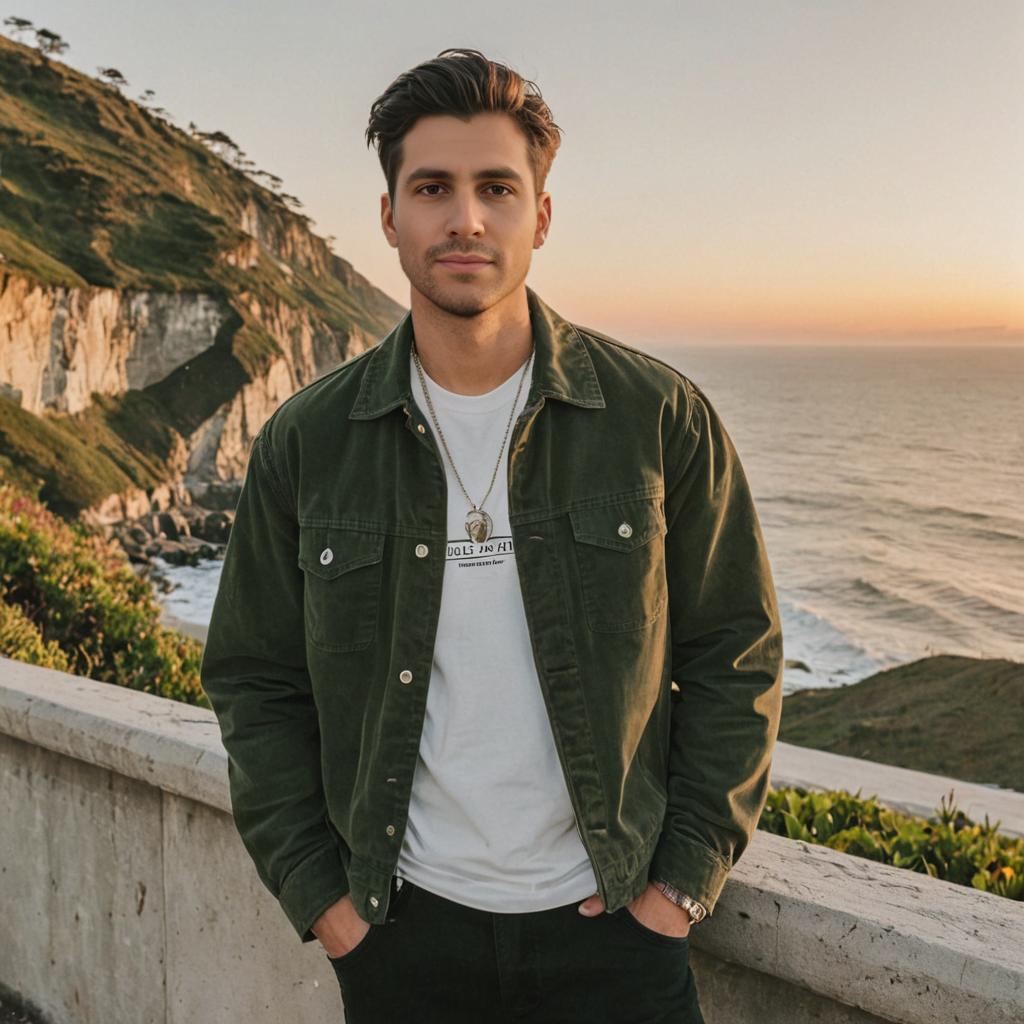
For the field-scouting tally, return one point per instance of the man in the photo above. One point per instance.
(496, 652)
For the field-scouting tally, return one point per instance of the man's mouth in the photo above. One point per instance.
(462, 263)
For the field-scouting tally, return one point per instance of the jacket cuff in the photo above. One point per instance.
(691, 868)
(317, 883)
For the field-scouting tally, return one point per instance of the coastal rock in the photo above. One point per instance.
(221, 495)
(184, 551)
(172, 524)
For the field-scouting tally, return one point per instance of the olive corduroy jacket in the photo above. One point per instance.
(648, 595)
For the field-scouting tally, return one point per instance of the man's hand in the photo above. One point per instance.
(650, 908)
(340, 928)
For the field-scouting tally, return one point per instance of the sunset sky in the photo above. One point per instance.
(742, 171)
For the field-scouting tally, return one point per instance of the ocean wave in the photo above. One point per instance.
(876, 509)
(889, 601)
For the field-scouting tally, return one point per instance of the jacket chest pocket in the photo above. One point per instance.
(620, 557)
(342, 569)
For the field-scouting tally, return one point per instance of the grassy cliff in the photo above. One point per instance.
(98, 190)
(946, 714)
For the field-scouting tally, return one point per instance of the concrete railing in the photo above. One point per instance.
(127, 896)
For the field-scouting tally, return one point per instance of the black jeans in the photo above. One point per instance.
(435, 961)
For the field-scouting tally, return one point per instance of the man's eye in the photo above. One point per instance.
(423, 189)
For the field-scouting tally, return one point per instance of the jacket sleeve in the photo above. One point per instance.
(254, 672)
(727, 660)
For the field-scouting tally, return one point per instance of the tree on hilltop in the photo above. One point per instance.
(223, 146)
(273, 181)
(112, 77)
(48, 42)
(18, 25)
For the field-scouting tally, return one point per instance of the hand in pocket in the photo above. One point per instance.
(340, 928)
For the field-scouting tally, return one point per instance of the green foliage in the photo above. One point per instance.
(168, 241)
(20, 639)
(949, 845)
(71, 597)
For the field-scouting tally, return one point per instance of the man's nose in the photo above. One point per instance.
(465, 216)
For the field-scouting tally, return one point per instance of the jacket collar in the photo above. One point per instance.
(562, 367)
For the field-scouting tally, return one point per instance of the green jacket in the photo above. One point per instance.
(647, 590)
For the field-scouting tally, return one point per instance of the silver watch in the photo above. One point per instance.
(696, 910)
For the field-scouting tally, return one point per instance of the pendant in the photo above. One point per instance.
(478, 525)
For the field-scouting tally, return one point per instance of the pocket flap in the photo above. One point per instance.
(622, 525)
(329, 551)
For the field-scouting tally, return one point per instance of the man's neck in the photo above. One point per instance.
(472, 355)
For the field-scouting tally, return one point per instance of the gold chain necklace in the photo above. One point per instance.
(478, 523)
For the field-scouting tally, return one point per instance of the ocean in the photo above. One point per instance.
(890, 487)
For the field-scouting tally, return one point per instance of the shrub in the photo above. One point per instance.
(78, 594)
(20, 638)
(949, 845)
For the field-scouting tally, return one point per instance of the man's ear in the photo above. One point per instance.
(387, 220)
(543, 219)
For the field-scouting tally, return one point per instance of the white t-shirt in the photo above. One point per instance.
(491, 824)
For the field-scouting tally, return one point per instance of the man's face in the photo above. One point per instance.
(465, 189)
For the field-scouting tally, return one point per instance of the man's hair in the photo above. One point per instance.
(461, 82)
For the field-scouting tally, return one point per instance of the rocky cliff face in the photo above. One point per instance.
(219, 447)
(58, 345)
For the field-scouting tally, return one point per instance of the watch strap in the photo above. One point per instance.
(696, 910)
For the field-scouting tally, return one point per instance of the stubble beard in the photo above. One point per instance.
(452, 299)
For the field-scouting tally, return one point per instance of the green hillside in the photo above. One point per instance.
(98, 190)
(946, 714)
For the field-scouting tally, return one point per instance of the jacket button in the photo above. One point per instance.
(326, 555)
(374, 901)
(421, 550)
(625, 530)
(405, 675)
(390, 830)
(422, 429)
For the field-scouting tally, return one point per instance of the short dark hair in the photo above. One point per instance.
(461, 82)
